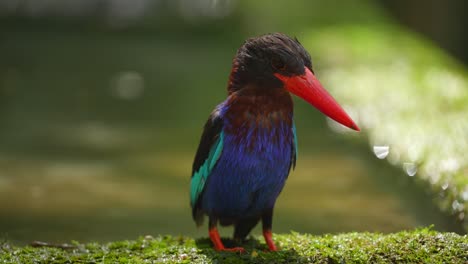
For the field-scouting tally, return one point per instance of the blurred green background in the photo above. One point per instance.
(102, 105)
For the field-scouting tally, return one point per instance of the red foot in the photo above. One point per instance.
(269, 240)
(234, 249)
(218, 245)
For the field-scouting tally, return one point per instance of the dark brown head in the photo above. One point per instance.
(276, 61)
(259, 58)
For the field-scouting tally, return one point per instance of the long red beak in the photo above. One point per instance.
(309, 88)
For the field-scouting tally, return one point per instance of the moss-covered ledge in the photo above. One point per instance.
(407, 96)
(418, 246)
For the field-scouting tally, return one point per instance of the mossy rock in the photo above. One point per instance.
(418, 246)
(407, 95)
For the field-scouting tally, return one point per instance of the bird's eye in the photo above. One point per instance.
(278, 64)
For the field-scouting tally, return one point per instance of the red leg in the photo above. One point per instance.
(267, 221)
(218, 244)
(269, 240)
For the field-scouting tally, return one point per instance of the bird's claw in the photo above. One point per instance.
(234, 249)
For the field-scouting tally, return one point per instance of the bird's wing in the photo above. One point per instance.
(208, 153)
(294, 148)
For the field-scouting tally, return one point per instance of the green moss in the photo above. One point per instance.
(418, 246)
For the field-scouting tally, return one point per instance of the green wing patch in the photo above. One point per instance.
(295, 140)
(200, 177)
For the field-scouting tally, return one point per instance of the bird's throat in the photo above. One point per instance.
(259, 119)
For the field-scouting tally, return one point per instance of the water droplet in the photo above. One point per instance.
(461, 216)
(457, 206)
(410, 168)
(445, 186)
(465, 195)
(381, 152)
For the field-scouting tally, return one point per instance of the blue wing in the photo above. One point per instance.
(208, 153)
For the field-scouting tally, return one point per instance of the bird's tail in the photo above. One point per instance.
(198, 216)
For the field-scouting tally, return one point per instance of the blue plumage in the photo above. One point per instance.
(250, 172)
(248, 161)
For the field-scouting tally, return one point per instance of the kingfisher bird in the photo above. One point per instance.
(249, 144)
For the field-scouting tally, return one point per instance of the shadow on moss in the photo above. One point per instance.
(256, 252)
